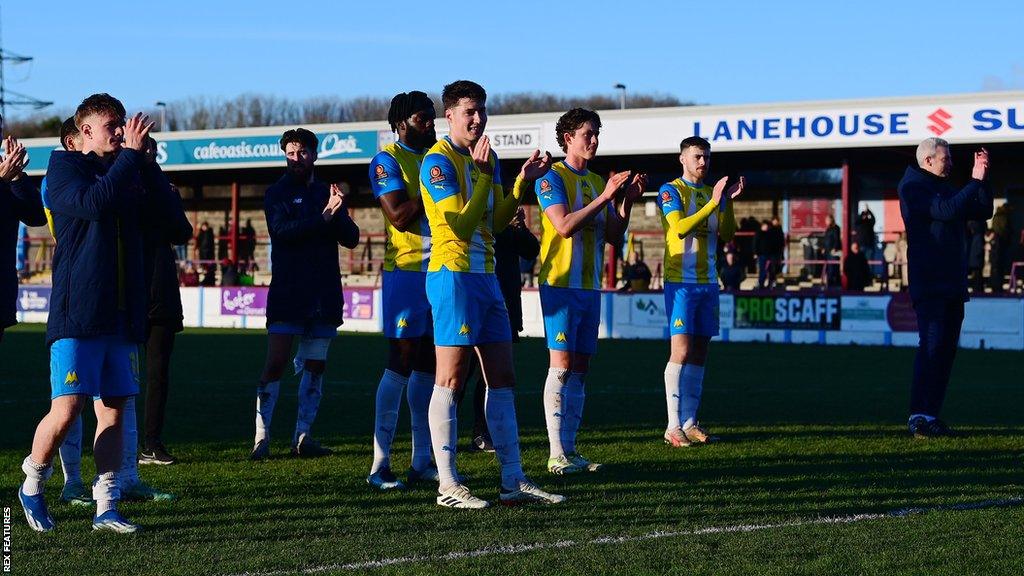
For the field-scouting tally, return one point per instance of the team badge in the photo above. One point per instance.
(402, 323)
(436, 175)
(560, 337)
(464, 331)
(545, 188)
(71, 379)
(665, 197)
(678, 323)
(381, 172)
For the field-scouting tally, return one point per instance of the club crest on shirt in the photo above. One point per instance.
(545, 188)
(380, 172)
(436, 175)
(665, 197)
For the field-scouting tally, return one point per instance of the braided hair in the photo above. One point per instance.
(405, 105)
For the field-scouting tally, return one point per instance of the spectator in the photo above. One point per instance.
(205, 243)
(832, 246)
(1000, 247)
(248, 242)
(223, 235)
(228, 273)
(763, 250)
(864, 229)
(777, 245)
(900, 260)
(858, 275)
(745, 242)
(181, 250)
(733, 273)
(190, 277)
(636, 276)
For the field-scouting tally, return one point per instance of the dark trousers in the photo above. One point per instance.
(765, 272)
(938, 324)
(475, 380)
(159, 344)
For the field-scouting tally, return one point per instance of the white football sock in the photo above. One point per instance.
(71, 453)
(555, 410)
(310, 392)
(692, 384)
(443, 416)
(106, 492)
(129, 472)
(389, 400)
(672, 374)
(574, 396)
(36, 476)
(266, 398)
(421, 386)
(500, 409)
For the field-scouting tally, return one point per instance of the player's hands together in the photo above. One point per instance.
(334, 202)
(136, 129)
(536, 166)
(980, 164)
(14, 161)
(481, 154)
(611, 188)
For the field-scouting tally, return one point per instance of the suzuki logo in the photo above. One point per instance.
(939, 126)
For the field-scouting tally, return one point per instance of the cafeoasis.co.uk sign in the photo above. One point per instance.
(787, 312)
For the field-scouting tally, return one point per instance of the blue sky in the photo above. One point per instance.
(710, 52)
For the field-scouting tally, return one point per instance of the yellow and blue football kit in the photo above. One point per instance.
(465, 207)
(571, 268)
(404, 305)
(692, 223)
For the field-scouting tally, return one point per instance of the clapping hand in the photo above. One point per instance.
(617, 180)
(136, 129)
(736, 189)
(980, 164)
(536, 166)
(334, 202)
(719, 190)
(481, 154)
(636, 187)
(14, 161)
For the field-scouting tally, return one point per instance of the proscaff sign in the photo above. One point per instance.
(787, 312)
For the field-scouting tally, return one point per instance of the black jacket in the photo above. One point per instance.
(935, 216)
(305, 286)
(510, 245)
(170, 226)
(19, 202)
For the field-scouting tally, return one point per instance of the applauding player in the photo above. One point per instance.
(693, 215)
(465, 203)
(579, 216)
(394, 177)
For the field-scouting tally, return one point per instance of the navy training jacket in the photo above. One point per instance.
(19, 202)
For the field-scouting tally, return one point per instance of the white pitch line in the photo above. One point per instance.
(512, 549)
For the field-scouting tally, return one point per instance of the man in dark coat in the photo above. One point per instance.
(19, 202)
(935, 216)
(858, 274)
(307, 221)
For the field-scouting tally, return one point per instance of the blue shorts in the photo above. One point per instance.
(468, 308)
(101, 367)
(404, 304)
(571, 318)
(692, 308)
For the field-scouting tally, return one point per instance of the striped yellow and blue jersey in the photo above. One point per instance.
(693, 258)
(578, 261)
(448, 172)
(397, 167)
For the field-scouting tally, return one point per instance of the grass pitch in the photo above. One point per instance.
(809, 433)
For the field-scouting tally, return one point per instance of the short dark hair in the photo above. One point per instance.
(97, 104)
(460, 89)
(300, 136)
(68, 128)
(406, 104)
(571, 121)
(694, 141)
